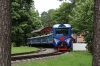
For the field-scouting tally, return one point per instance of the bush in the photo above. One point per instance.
(89, 39)
(13, 44)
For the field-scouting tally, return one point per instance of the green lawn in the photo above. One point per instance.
(75, 58)
(22, 49)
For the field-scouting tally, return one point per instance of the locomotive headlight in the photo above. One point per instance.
(68, 40)
(56, 40)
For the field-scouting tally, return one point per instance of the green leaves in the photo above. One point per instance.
(61, 14)
(81, 19)
(81, 16)
(24, 21)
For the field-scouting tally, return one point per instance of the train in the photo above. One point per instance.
(60, 38)
(41, 41)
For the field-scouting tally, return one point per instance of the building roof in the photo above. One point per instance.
(43, 30)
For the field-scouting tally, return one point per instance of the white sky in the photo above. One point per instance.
(45, 5)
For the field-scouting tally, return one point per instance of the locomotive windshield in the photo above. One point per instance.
(63, 31)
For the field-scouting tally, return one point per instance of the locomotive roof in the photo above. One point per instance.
(58, 25)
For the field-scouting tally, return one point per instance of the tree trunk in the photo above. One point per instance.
(5, 32)
(96, 34)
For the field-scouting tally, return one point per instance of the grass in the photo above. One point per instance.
(22, 49)
(75, 58)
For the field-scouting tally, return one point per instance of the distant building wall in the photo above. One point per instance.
(79, 46)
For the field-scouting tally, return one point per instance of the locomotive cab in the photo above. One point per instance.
(62, 36)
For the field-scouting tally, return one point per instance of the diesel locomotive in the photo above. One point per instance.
(60, 37)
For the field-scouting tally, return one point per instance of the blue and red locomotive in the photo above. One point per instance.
(62, 38)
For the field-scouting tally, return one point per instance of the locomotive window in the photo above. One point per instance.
(63, 31)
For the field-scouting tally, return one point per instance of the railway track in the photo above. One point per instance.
(46, 53)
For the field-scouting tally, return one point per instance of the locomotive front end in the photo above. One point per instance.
(62, 36)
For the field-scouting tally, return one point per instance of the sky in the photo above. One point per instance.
(45, 5)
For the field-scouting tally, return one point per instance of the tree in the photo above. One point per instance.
(44, 18)
(81, 18)
(96, 33)
(20, 20)
(5, 32)
(51, 15)
(47, 17)
(24, 20)
(61, 14)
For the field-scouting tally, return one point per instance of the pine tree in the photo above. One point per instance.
(96, 33)
(5, 32)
